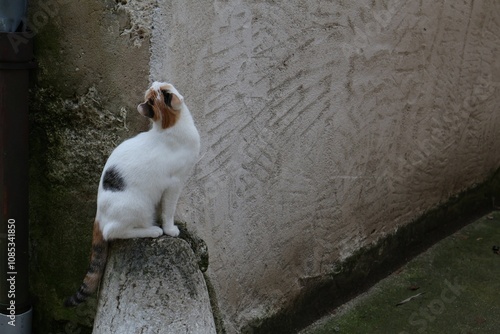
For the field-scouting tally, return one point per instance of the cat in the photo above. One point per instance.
(142, 180)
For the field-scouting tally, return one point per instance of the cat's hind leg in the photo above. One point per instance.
(118, 231)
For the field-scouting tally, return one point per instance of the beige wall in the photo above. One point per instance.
(325, 125)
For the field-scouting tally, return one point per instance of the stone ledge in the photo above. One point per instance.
(153, 286)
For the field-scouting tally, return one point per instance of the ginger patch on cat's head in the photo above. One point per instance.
(162, 104)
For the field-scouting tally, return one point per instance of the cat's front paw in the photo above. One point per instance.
(172, 230)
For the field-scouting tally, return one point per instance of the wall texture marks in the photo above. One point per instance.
(325, 126)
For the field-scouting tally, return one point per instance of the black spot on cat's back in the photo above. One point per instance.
(113, 180)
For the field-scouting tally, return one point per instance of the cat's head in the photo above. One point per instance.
(162, 104)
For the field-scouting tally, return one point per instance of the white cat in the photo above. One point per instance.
(144, 174)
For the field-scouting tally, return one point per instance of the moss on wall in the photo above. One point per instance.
(83, 101)
(70, 140)
(58, 254)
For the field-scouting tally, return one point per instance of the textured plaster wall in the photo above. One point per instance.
(325, 125)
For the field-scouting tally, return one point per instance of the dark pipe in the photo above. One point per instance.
(16, 59)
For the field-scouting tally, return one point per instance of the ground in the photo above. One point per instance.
(454, 287)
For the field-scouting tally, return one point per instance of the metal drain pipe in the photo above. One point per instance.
(16, 59)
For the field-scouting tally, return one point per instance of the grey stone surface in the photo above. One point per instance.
(153, 286)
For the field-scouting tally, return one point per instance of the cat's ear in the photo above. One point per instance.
(176, 101)
(146, 110)
(175, 98)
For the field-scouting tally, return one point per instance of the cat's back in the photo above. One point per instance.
(150, 155)
(132, 147)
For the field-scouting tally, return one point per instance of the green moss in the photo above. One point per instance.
(197, 244)
(69, 143)
(73, 128)
(48, 55)
(76, 135)
(458, 282)
(57, 266)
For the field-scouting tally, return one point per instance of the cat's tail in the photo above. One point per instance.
(98, 260)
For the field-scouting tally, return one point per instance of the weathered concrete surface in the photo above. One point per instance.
(91, 74)
(153, 286)
(325, 125)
